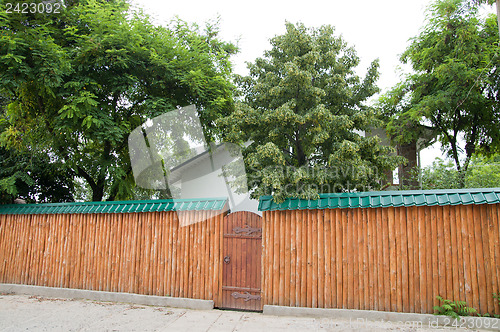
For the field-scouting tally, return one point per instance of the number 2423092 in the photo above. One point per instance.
(25, 8)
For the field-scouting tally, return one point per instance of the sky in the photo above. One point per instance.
(376, 29)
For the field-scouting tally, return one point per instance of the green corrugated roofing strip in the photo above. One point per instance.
(375, 199)
(116, 206)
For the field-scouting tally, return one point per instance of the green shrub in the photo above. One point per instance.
(453, 309)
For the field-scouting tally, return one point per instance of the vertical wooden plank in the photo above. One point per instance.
(351, 261)
(124, 257)
(209, 248)
(169, 221)
(399, 259)
(372, 263)
(298, 263)
(4, 248)
(184, 259)
(159, 259)
(310, 245)
(150, 286)
(276, 258)
(392, 260)
(333, 255)
(479, 259)
(455, 263)
(488, 273)
(98, 252)
(494, 251)
(105, 256)
(358, 266)
(411, 272)
(466, 250)
(496, 247)
(21, 240)
(305, 258)
(287, 260)
(416, 259)
(203, 263)
(315, 259)
(281, 267)
(472, 257)
(192, 255)
(269, 220)
(436, 233)
(321, 258)
(339, 252)
(382, 254)
(443, 238)
(80, 247)
(24, 235)
(30, 250)
(132, 241)
(365, 272)
(68, 251)
(460, 256)
(327, 266)
(217, 280)
(293, 258)
(345, 260)
(404, 259)
(96, 235)
(265, 257)
(117, 251)
(431, 282)
(422, 257)
(447, 252)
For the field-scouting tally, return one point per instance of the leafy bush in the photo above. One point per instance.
(453, 309)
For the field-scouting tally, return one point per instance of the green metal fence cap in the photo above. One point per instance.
(217, 203)
(374, 199)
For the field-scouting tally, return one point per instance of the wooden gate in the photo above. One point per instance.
(242, 252)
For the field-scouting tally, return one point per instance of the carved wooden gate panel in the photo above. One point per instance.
(242, 252)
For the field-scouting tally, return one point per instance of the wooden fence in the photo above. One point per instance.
(144, 253)
(389, 259)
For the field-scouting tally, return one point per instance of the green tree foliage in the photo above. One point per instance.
(483, 172)
(454, 88)
(78, 82)
(303, 110)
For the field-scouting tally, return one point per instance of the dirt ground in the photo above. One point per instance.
(33, 313)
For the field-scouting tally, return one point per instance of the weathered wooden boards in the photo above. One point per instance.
(144, 253)
(242, 251)
(390, 259)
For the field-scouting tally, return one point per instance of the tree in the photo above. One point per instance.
(454, 88)
(483, 172)
(78, 82)
(303, 112)
(490, 2)
(406, 133)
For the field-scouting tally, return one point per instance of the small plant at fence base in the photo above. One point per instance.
(453, 309)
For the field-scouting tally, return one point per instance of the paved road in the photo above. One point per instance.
(32, 313)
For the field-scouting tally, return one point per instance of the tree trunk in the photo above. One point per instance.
(408, 173)
(98, 193)
(498, 16)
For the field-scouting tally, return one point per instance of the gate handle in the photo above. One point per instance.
(227, 259)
